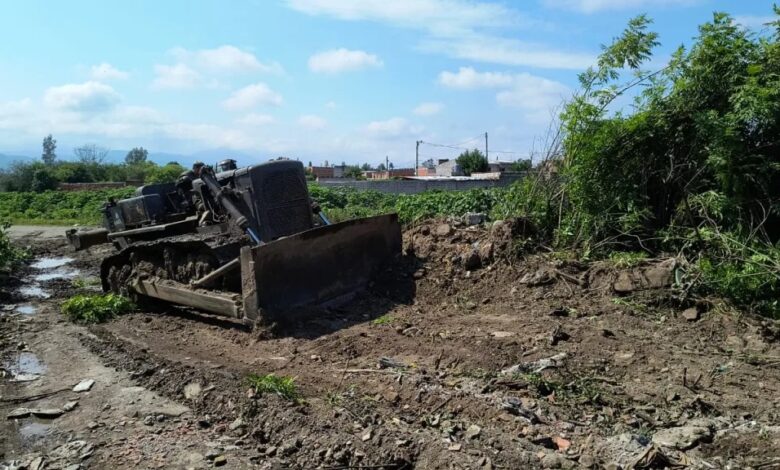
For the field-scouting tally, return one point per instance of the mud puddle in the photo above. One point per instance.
(33, 430)
(51, 263)
(34, 292)
(26, 309)
(26, 366)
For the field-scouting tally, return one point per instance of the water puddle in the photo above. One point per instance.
(34, 431)
(26, 309)
(51, 263)
(25, 366)
(34, 291)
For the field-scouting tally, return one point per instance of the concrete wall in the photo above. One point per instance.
(420, 186)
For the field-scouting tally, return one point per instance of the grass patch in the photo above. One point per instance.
(627, 259)
(383, 320)
(277, 384)
(84, 282)
(95, 308)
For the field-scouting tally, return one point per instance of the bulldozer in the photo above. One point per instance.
(246, 243)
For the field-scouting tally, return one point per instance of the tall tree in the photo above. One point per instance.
(472, 161)
(49, 149)
(91, 153)
(136, 156)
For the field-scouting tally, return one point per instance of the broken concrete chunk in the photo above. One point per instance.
(192, 390)
(84, 385)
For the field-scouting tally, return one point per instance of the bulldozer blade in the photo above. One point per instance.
(316, 266)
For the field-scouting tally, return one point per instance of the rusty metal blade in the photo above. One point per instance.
(324, 263)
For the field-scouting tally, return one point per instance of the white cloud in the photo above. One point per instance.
(466, 78)
(428, 109)
(258, 94)
(592, 6)
(393, 127)
(87, 97)
(754, 21)
(255, 119)
(175, 77)
(106, 71)
(225, 58)
(343, 60)
(457, 28)
(310, 121)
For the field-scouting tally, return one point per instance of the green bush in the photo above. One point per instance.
(279, 385)
(95, 308)
(52, 207)
(9, 254)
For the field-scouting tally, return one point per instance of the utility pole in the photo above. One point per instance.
(387, 165)
(417, 159)
(486, 148)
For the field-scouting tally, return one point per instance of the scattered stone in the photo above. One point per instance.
(84, 385)
(25, 377)
(691, 314)
(683, 437)
(501, 334)
(537, 278)
(238, 423)
(19, 413)
(192, 390)
(212, 454)
(36, 464)
(536, 366)
(70, 406)
(366, 435)
(149, 420)
(473, 431)
(289, 446)
(444, 230)
(456, 447)
(474, 218)
(48, 413)
(220, 460)
(472, 260)
(92, 425)
(563, 444)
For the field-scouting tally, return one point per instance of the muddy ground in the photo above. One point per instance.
(462, 355)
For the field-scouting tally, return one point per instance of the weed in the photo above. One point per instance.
(383, 320)
(95, 308)
(277, 384)
(627, 259)
(85, 282)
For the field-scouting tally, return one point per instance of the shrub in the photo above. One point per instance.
(95, 308)
(9, 254)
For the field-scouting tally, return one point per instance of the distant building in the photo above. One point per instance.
(321, 171)
(447, 167)
(500, 166)
(339, 170)
(394, 173)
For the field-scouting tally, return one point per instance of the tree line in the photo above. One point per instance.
(88, 167)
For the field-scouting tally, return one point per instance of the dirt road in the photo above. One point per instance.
(512, 363)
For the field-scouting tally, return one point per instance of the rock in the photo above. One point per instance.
(48, 413)
(149, 420)
(213, 453)
(691, 314)
(36, 464)
(501, 334)
(455, 447)
(474, 218)
(289, 446)
(84, 385)
(366, 435)
(192, 390)
(444, 230)
(70, 406)
(25, 377)
(473, 431)
(683, 437)
(220, 460)
(587, 461)
(563, 444)
(92, 425)
(537, 278)
(486, 252)
(472, 260)
(19, 413)
(623, 284)
(238, 423)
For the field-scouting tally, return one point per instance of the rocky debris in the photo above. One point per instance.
(238, 423)
(70, 406)
(514, 406)
(691, 314)
(474, 218)
(444, 230)
(657, 275)
(25, 377)
(192, 390)
(683, 437)
(472, 432)
(19, 413)
(220, 460)
(536, 366)
(47, 413)
(84, 385)
(539, 277)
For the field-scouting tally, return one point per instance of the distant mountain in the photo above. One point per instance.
(7, 159)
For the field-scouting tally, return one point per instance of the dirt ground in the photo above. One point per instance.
(461, 355)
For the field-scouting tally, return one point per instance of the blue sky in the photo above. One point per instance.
(317, 80)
